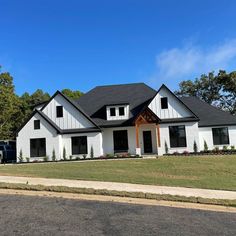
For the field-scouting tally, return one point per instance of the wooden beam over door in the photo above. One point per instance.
(158, 135)
(137, 135)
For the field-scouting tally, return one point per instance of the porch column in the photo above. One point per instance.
(158, 135)
(138, 149)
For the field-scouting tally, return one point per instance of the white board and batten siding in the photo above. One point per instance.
(205, 133)
(191, 129)
(93, 140)
(175, 108)
(72, 117)
(46, 131)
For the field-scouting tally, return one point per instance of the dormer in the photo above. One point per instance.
(117, 111)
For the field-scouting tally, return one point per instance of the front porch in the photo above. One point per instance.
(147, 133)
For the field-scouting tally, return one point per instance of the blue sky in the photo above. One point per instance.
(55, 44)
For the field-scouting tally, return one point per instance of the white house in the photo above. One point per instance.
(128, 118)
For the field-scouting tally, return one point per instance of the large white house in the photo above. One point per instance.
(128, 118)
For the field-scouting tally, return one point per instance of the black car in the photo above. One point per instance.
(7, 153)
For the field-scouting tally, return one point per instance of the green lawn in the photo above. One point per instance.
(201, 172)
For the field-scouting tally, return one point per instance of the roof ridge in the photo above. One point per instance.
(111, 85)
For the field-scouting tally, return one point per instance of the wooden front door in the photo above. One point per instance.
(147, 141)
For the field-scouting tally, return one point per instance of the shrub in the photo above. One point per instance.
(84, 156)
(216, 149)
(27, 159)
(91, 152)
(232, 147)
(21, 158)
(185, 152)
(225, 148)
(166, 148)
(64, 154)
(195, 148)
(45, 158)
(53, 155)
(108, 155)
(77, 158)
(205, 146)
(176, 153)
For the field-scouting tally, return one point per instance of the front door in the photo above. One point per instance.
(147, 141)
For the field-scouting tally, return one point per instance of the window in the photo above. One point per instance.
(120, 138)
(177, 136)
(164, 103)
(36, 124)
(113, 111)
(121, 111)
(38, 147)
(59, 111)
(79, 145)
(220, 136)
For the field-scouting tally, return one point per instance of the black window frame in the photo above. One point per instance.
(59, 111)
(76, 141)
(176, 141)
(220, 139)
(38, 147)
(36, 124)
(123, 111)
(164, 103)
(120, 141)
(112, 111)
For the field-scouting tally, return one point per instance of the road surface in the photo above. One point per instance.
(29, 215)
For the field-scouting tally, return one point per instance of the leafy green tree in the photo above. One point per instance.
(8, 105)
(72, 94)
(218, 90)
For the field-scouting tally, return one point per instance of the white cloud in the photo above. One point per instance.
(191, 61)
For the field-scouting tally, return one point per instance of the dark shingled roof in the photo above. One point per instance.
(208, 115)
(94, 102)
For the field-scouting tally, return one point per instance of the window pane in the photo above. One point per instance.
(37, 124)
(177, 136)
(120, 139)
(79, 145)
(38, 147)
(112, 111)
(220, 136)
(121, 111)
(59, 111)
(164, 103)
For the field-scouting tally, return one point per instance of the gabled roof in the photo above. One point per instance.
(73, 103)
(94, 102)
(57, 128)
(208, 114)
(187, 107)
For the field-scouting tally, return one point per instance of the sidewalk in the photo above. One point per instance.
(180, 191)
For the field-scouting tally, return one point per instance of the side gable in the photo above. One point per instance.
(176, 108)
(73, 116)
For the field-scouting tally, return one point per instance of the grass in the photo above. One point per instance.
(209, 172)
(166, 197)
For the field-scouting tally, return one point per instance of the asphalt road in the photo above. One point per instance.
(26, 215)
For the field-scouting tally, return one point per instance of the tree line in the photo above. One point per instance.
(14, 109)
(216, 89)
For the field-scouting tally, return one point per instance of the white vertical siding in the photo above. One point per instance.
(93, 140)
(45, 131)
(71, 119)
(175, 108)
(205, 133)
(192, 135)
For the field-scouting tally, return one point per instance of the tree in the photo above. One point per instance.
(218, 90)
(8, 105)
(72, 94)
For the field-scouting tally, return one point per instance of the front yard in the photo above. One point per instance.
(212, 172)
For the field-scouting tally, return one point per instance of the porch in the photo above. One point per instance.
(147, 133)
